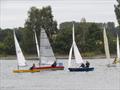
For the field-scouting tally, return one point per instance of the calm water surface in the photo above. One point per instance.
(103, 78)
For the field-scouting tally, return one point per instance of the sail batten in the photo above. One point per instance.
(20, 56)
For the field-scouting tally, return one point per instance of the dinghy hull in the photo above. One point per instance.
(50, 68)
(81, 69)
(26, 71)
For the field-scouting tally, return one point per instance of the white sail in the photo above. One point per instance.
(70, 56)
(106, 46)
(36, 41)
(118, 48)
(20, 56)
(46, 52)
(77, 55)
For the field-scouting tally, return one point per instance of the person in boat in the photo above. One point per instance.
(82, 65)
(54, 64)
(33, 66)
(116, 61)
(87, 64)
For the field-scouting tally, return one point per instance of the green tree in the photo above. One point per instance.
(117, 11)
(94, 39)
(37, 19)
(9, 42)
(63, 41)
(88, 37)
(28, 42)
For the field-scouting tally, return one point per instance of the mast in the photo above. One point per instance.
(37, 47)
(118, 48)
(77, 54)
(73, 34)
(40, 50)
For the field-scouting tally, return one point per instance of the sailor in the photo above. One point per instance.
(82, 65)
(54, 64)
(116, 61)
(33, 66)
(87, 64)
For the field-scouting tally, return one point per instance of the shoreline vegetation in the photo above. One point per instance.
(34, 57)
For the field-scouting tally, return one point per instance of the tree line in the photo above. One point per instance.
(89, 35)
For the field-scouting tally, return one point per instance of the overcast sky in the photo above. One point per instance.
(13, 13)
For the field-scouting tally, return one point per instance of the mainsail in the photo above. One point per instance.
(20, 56)
(36, 41)
(77, 55)
(106, 46)
(46, 52)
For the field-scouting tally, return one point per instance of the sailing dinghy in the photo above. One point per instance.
(118, 51)
(78, 57)
(106, 47)
(116, 62)
(46, 55)
(20, 57)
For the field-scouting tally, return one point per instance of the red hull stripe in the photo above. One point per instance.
(48, 67)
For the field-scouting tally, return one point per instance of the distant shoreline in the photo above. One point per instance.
(34, 57)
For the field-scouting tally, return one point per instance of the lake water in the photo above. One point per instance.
(102, 78)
